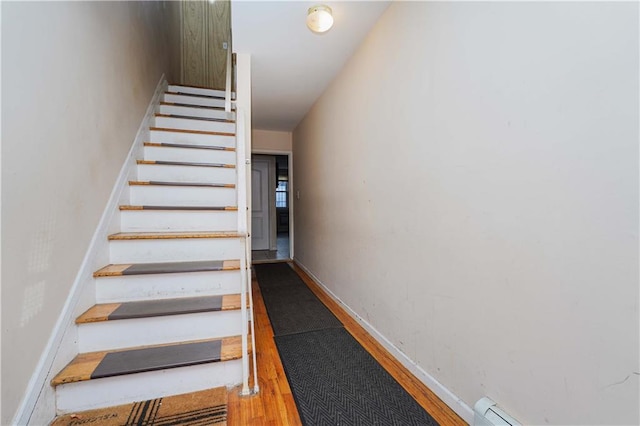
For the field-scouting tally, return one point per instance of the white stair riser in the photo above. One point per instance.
(166, 286)
(190, 155)
(163, 195)
(196, 112)
(175, 250)
(193, 100)
(119, 334)
(164, 173)
(110, 391)
(197, 91)
(183, 220)
(200, 125)
(162, 136)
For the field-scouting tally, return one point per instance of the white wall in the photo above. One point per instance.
(76, 80)
(469, 186)
(271, 141)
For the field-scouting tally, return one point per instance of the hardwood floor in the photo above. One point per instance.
(275, 405)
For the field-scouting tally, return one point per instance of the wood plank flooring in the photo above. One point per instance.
(275, 405)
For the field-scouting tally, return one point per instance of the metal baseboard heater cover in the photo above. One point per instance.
(487, 413)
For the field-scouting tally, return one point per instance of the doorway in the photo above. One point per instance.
(271, 207)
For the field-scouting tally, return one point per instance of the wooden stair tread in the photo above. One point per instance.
(171, 235)
(198, 95)
(117, 270)
(199, 132)
(178, 208)
(185, 163)
(188, 146)
(198, 184)
(156, 308)
(195, 106)
(190, 117)
(96, 365)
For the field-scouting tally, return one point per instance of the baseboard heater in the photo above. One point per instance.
(487, 413)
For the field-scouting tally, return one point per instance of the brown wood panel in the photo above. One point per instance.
(422, 394)
(219, 30)
(97, 313)
(193, 44)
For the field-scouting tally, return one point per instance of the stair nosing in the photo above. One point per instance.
(157, 268)
(128, 236)
(184, 163)
(189, 117)
(177, 104)
(129, 207)
(182, 184)
(188, 146)
(106, 312)
(198, 132)
(196, 95)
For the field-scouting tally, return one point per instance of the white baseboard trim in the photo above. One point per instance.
(448, 397)
(38, 405)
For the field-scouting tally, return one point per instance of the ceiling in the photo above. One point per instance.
(290, 65)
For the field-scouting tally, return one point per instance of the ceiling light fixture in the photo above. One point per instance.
(319, 19)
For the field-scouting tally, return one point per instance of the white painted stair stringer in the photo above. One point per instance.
(119, 390)
(132, 288)
(167, 195)
(175, 250)
(127, 333)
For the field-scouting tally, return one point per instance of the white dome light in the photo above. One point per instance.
(319, 19)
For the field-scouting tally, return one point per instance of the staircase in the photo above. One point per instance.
(169, 315)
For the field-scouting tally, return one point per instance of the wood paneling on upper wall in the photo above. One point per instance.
(205, 27)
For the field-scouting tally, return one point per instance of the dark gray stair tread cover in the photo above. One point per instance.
(173, 267)
(167, 307)
(151, 359)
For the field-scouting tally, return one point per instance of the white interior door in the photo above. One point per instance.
(260, 203)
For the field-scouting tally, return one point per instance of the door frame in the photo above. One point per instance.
(289, 155)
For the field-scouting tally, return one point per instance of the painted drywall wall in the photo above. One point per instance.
(271, 141)
(469, 186)
(76, 80)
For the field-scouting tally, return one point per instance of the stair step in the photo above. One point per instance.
(155, 308)
(196, 111)
(195, 132)
(187, 89)
(97, 365)
(116, 270)
(184, 163)
(206, 208)
(167, 136)
(191, 117)
(189, 154)
(194, 100)
(158, 183)
(181, 145)
(194, 124)
(170, 235)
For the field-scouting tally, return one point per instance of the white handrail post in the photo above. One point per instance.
(227, 94)
(241, 188)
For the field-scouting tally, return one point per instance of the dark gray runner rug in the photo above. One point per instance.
(291, 306)
(335, 381)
